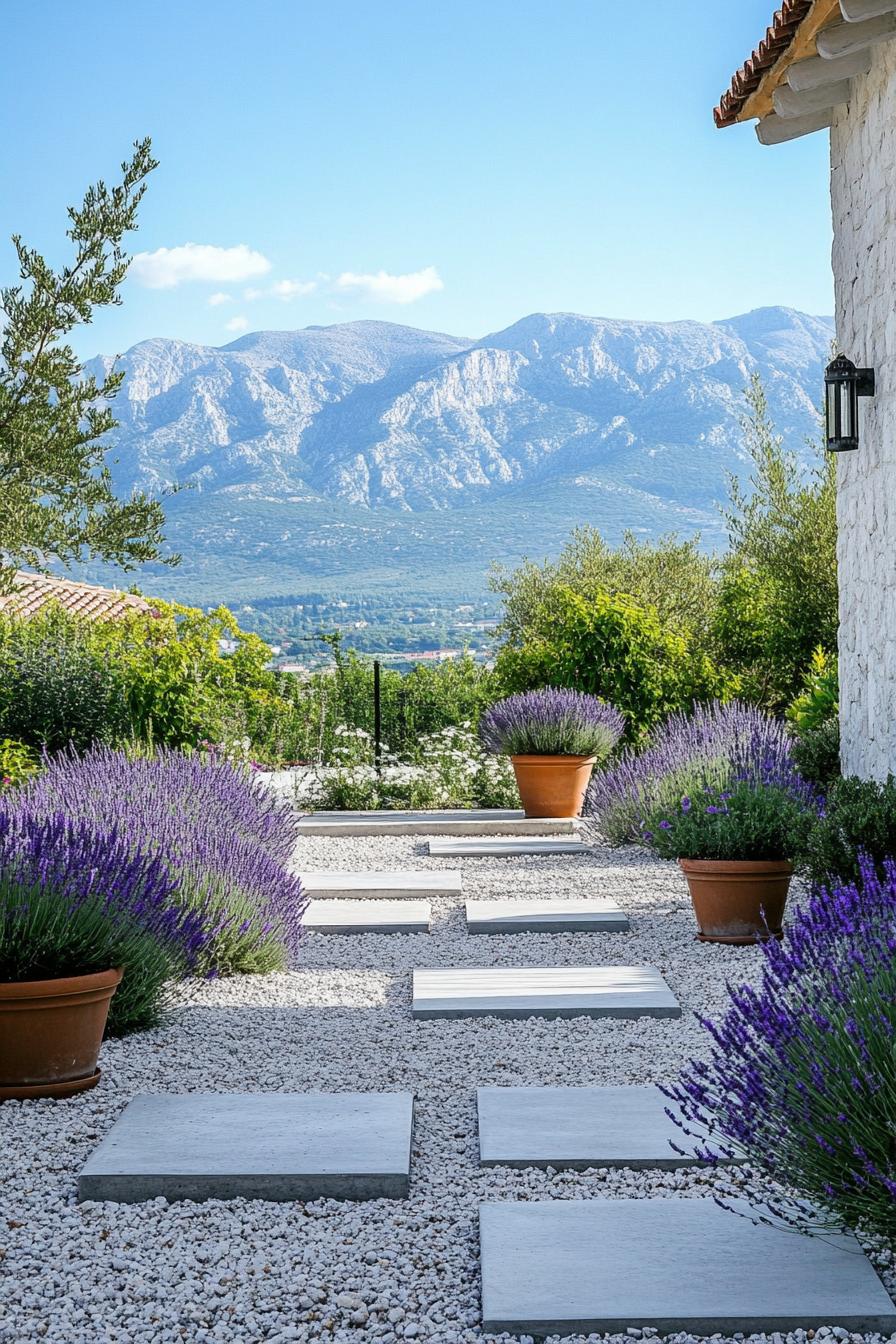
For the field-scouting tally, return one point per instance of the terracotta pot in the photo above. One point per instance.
(552, 786)
(738, 900)
(51, 1032)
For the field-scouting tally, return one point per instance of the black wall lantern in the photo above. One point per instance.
(843, 385)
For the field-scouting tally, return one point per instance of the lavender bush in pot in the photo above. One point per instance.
(554, 738)
(84, 915)
(736, 848)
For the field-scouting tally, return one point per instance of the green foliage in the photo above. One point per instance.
(749, 821)
(157, 680)
(673, 577)
(452, 770)
(18, 762)
(816, 753)
(607, 645)
(57, 688)
(819, 700)
(777, 603)
(860, 818)
(432, 696)
(56, 496)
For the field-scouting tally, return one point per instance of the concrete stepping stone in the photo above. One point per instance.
(543, 991)
(582, 1267)
(336, 883)
(367, 916)
(577, 915)
(273, 1145)
(578, 1127)
(503, 848)
(454, 821)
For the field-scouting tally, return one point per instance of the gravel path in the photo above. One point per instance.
(385, 1271)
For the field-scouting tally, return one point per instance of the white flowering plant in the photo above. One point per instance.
(452, 769)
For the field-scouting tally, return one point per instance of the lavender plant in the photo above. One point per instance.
(713, 746)
(551, 722)
(751, 820)
(75, 900)
(222, 836)
(801, 1077)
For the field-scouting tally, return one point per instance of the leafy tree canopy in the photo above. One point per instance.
(56, 497)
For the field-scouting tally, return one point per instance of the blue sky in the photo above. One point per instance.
(451, 166)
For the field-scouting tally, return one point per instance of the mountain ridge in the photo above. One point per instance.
(361, 439)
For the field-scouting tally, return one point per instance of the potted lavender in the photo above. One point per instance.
(83, 916)
(554, 738)
(736, 849)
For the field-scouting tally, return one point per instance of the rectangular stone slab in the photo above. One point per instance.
(599, 1266)
(543, 991)
(335, 883)
(454, 821)
(272, 1145)
(503, 848)
(367, 916)
(578, 1127)
(587, 914)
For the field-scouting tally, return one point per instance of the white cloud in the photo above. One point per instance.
(170, 266)
(237, 324)
(393, 288)
(215, 300)
(281, 289)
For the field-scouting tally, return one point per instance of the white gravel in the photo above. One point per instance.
(384, 1271)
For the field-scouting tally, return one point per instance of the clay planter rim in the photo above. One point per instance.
(59, 986)
(737, 866)
(542, 758)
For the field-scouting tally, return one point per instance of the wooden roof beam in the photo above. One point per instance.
(813, 72)
(857, 11)
(844, 39)
(822, 13)
(775, 130)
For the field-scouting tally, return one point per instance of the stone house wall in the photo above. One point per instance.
(863, 198)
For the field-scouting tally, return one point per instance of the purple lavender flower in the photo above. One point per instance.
(551, 722)
(800, 1076)
(715, 746)
(75, 899)
(222, 835)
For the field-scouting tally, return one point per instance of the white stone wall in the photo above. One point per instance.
(863, 198)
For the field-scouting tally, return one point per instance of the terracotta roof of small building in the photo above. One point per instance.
(778, 37)
(31, 592)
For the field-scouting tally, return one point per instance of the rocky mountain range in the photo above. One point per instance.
(359, 452)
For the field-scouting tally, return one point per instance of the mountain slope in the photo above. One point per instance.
(335, 451)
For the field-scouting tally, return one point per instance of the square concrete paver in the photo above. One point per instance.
(367, 916)
(578, 1127)
(453, 821)
(600, 1266)
(588, 914)
(332, 882)
(274, 1146)
(543, 991)
(503, 848)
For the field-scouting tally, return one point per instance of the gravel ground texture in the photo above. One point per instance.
(382, 1270)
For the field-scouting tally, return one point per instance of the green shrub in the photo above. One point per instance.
(749, 821)
(18, 763)
(57, 687)
(610, 647)
(819, 700)
(860, 818)
(816, 753)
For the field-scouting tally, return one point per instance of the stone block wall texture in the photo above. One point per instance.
(863, 199)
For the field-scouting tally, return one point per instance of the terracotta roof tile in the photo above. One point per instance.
(31, 592)
(779, 35)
